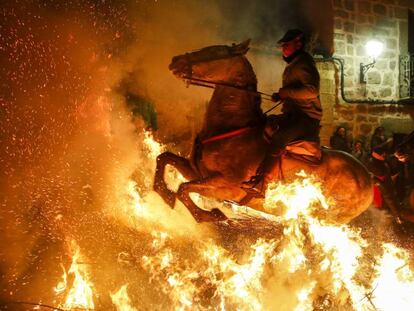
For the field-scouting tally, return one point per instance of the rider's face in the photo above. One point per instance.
(288, 48)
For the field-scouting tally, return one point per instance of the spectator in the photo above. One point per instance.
(339, 140)
(378, 139)
(358, 151)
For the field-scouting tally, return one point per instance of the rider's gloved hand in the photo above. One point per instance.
(275, 97)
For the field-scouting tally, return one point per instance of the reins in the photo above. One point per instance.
(213, 84)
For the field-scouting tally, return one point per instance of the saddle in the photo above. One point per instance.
(306, 151)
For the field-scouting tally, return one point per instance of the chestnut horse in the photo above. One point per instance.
(231, 144)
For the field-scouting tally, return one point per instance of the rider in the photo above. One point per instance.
(301, 111)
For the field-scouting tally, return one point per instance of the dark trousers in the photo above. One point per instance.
(293, 126)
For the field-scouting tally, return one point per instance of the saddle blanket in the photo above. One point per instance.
(309, 150)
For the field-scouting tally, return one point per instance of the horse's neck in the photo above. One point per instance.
(231, 108)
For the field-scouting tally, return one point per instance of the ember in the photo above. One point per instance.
(81, 227)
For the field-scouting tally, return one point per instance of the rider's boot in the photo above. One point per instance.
(257, 184)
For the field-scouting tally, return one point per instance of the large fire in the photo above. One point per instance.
(312, 265)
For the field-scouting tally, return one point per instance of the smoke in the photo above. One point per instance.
(69, 146)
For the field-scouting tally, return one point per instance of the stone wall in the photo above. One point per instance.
(355, 22)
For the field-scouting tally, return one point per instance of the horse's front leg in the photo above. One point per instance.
(205, 186)
(181, 164)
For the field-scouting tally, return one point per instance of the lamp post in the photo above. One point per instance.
(374, 49)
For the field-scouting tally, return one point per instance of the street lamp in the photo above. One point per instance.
(374, 49)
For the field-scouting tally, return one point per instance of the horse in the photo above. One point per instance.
(404, 152)
(231, 144)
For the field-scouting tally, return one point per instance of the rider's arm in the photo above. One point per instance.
(307, 86)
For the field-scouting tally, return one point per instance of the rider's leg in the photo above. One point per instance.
(300, 126)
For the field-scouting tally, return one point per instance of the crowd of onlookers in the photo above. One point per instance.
(360, 148)
(393, 178)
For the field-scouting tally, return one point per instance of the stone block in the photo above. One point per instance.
(337, 4)
(349, 83)
(361, 118)
(350, 50)
(360, 50)
(361, 18)
(364, 30)
(339, 36)
(388, 79)
(365, 128)
(373, 119)
(381, 64)
(379, 9)
(364, 7)
(349, 5)
(406, 3)
(373, 77)
(349, 27)
(349, 93)
(349, 39)
(376, 110)
(361, 108)
(361, 91)
(385, 92)
(385, 23)
(380, 32)
(349, 72)
(401, 13)
(340, 47)
(373, 94)
(341, 13)
(391, 43)
(338, 24)
(392, 64)
(347, 115)
(388, 54)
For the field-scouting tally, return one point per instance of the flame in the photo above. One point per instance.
(234, 284)
(393, 287)
(153, 147)
(316, 263)
(121, 300)
(80, 295)
(135, 201)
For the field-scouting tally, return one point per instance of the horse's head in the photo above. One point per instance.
(217, 63)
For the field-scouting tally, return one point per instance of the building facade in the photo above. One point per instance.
(386, 97)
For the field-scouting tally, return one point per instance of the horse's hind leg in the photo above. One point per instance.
(201, 186)
(181, 164)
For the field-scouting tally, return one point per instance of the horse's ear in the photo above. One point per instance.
(241, 48)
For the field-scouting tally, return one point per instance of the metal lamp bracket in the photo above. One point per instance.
(363, 69)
